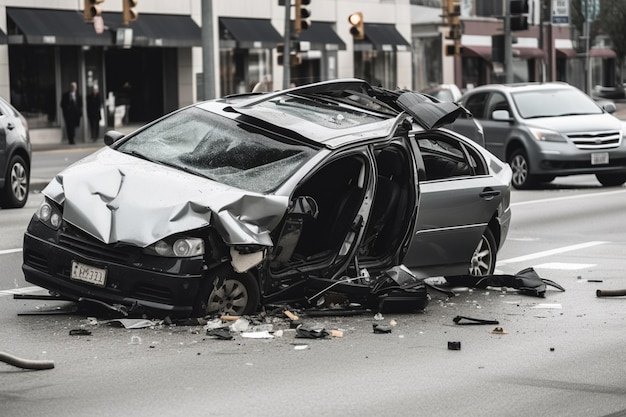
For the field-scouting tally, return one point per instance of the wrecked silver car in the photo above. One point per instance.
(334, 192)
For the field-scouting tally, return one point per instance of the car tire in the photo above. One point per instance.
(611, 180)
(16, 183)
(521, 169)
(483, 262)
(235, 294)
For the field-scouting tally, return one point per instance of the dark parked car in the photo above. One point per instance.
(15, 156)
(286, 197)
(548, 130)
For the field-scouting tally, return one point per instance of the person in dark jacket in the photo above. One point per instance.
(94, 103)
(72, 108)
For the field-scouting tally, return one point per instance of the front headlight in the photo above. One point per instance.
(177, 247)
(547, 135)
(49, 214)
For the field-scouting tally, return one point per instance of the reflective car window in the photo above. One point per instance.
(476, 104)
(218, 148)
(497, 101)
(445, 159)
(553, 103)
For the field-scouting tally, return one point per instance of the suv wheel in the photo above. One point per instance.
(521, 169)
(15, 192)
(611, 180)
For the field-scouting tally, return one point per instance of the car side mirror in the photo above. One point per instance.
(501, 116)
(112, 136)
(609, 107)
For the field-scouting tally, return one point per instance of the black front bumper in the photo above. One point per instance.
(142, 283)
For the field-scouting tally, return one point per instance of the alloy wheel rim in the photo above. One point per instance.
(520, 170)
(19, 182)
(482, 258)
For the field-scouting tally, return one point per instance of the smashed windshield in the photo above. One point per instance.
(553, 103)
(220, 149)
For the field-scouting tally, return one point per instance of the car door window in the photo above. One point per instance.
(476, 104)
(446, 158)
(497, 101)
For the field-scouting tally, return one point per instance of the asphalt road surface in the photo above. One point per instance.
(562, 355)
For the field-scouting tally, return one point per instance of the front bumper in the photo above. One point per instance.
(562, 163)
(144, 284)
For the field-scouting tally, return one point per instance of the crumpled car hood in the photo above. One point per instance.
(119, 198)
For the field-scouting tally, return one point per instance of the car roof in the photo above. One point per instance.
(516, 87)
(338, 112)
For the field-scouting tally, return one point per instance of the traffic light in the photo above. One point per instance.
(519, 9)
(452, 15)
(295, 58)
(497, 47)
(92, 9)
(358, 27)
(129, 12)
(454, 49)
(302, 15)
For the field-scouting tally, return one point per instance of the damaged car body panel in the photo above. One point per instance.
(107, 192)
(307, 196)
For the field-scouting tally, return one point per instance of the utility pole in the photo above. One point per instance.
(508, 50)
(287, 46)
(208, 53)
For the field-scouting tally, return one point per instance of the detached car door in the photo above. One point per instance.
(458, 199)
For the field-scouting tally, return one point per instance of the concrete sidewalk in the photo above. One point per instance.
(53, 138)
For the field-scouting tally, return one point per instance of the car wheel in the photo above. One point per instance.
(611, 180)
(233, 294)
(483, 262)
(15, 192)
(521, 169)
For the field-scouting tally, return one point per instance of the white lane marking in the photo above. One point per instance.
(569, 197)
(550, 252)
(8, 251)
(25, 290)
(564, 266)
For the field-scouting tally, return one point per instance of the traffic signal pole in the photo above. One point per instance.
(508, 50)
(287, 46)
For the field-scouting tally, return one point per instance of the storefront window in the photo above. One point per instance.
(32, 84)
(376, 67)
(427, 62)
(241, 69)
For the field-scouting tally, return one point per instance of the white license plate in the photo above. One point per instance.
(88, 273)
(601, 158)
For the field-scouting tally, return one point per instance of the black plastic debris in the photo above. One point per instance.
(527, 281)
(454, 345)
(80, 332)
(610, 293)
(399, 291)
(464, 321)
(307, 332)
(381, 328)
(222, 333)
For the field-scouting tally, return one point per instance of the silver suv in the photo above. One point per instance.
(548, 130)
